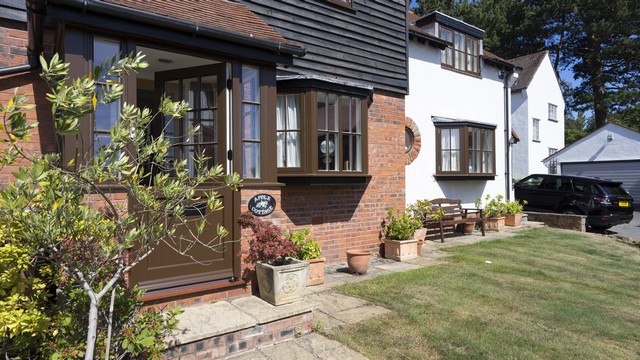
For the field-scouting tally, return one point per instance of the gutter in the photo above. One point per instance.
(35, 28)
(175, 24)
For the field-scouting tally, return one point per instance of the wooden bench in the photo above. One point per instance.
(454, 214)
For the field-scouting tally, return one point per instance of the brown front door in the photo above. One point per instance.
(203, 87)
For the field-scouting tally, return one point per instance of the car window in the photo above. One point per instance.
(581, 187)
(565, 185)
(613, 189)
(531, 183)
(551, 184)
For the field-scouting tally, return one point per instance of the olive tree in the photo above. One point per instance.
(67, 212)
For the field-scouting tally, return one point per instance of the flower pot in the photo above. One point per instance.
(400, 250)
(358, 260)
(513, 219)
(316, 271)
(467, 228)
(419, 236)
(282, 284)
(494, 224)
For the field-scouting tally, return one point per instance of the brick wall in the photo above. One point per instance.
(342, 217)
(13, 52)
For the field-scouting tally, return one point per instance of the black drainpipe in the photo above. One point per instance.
(509, 81)
(35, 24)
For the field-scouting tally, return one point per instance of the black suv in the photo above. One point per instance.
(604, 202)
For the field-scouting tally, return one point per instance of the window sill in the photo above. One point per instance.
(463, 72)
(553, 120)
(261, 185)
(536, 141)
(459, 177)
(317, 179)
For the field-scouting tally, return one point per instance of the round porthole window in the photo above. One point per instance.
(412, 141)
(408, 139)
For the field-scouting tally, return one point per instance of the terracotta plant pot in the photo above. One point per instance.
(358, 260)
(316, 271)
(400, 250)
(467, 228)
(513, 219)
(419, 236)
(494, 224)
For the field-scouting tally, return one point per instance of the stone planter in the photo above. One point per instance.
(494, 224)
(358, 260)
(316, 271)
(513, 219)
(282, 284)
(400, 250)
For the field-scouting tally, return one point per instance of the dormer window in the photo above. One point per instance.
(463, 55)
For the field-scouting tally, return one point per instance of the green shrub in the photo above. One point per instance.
(400, 225)
(492, 206)
(308, 247)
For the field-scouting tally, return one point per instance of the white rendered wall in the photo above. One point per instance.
(544, 89)
(520, 123)
(434, 91)
(624, 145)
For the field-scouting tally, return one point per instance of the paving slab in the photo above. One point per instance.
(202, 321)
(263, 312)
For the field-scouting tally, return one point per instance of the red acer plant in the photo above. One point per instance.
(267, 244)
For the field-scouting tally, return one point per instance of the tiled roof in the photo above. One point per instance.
(214, 14)
(488, 55)
(412, 17)
(529, 64)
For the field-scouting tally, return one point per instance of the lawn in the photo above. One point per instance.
(544, 294)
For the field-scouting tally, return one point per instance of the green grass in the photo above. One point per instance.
(547, 294)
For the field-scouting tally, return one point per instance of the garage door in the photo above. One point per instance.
(627, 172)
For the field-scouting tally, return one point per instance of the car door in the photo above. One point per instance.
(527, 190)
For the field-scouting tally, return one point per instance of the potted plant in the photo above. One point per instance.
(425, 212)
(310, 252)
(281, 278)
(513, 213)
(399, 228)
(494, 210)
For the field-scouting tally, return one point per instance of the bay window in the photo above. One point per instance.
(320, 133)
(288, 130)
(465, 149)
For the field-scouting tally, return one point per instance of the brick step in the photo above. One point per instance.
(233, 326)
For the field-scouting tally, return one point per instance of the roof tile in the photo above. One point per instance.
(529, 64)
(215, 14)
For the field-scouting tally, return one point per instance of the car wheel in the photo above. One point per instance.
(570, 211)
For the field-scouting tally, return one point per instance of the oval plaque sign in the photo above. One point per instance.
(262, 204)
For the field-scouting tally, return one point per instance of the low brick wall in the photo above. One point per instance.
(562, 221)
(243, 340)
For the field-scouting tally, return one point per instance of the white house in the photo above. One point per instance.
(611, 152)
(537, 108)
(457, 108)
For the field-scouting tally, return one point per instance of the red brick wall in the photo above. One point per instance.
(13, 52)
(342, 217)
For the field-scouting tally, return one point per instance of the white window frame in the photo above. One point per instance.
(553, 112)
(536, 130)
